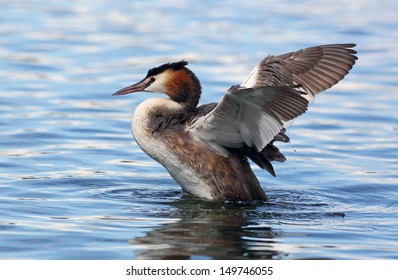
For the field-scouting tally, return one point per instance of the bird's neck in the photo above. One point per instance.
(185, 89)
(155, 115)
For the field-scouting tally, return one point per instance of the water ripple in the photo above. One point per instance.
(74, 184)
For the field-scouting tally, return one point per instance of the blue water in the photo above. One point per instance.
(75, 185)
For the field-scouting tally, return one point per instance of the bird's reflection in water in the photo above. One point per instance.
(207, 230)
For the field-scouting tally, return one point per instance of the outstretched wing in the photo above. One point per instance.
(315, 69)
(248, 116)
(277, 90)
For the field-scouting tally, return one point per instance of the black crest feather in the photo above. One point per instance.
(171, 65)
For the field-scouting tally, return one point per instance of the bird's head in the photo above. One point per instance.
(172, 79)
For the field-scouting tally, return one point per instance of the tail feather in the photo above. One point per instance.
(269, 153)
(260, 159)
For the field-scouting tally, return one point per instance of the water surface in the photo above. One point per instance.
(74, 184)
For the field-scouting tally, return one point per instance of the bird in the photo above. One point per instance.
(209, 149)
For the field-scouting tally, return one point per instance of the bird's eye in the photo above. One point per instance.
(152, 79)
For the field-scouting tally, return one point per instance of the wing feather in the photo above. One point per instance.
(315, 69)
(247, 116)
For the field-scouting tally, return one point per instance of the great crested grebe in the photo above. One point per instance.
(206, 148)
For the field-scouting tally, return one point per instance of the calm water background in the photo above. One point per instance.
(74, 184)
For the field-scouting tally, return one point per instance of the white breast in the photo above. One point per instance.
(155, 147)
